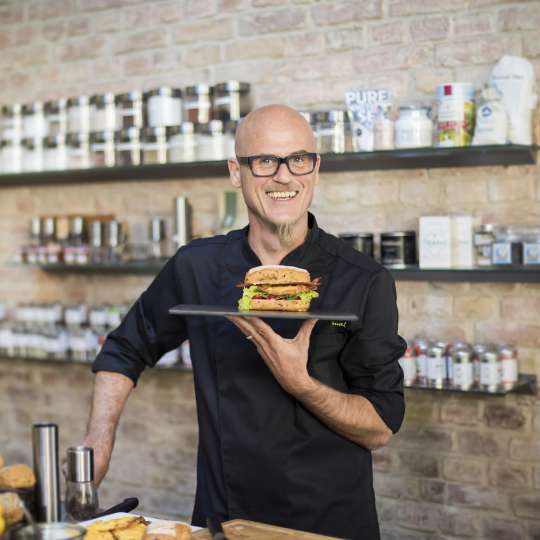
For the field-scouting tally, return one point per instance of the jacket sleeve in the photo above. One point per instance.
(147, 331)
(370, 357)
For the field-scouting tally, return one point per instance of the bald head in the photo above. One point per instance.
(262, 128)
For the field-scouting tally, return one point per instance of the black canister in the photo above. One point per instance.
(398, 249)
(363, 242)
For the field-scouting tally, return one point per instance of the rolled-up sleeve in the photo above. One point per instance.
(147, 332)
(370, 357)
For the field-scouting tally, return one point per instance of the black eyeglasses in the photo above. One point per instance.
(268, 165)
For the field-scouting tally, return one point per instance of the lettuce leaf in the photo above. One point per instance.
(249, 293)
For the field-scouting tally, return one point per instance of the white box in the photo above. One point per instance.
(462, 241)
(435, 238)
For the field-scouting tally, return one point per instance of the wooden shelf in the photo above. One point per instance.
(414, 158)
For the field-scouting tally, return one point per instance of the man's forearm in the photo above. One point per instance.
(350, 415)
(111, 391)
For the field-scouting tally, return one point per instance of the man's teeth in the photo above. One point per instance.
(282, 194)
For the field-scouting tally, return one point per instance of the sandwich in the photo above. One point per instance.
(277, 288)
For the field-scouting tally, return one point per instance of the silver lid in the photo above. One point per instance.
(52, 141)
(102, 136)
(232, 86)
(102, 99)
(32, 108)
(35, 227)
(77, 139)
(96, 233)
(112, 233)
(167, 91)
(129, 97)
(80, 464)
(11, 110)
(210, 128)
(32, 142)
(54, 106)
(198, 90)
(156, 229)
(336, 115)
(128, 134)
(398, 234)
(78, 101)
(154, 134)
(76, 225)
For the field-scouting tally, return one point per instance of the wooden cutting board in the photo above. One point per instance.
(241, 529)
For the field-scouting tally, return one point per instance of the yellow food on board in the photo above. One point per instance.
(18, 476)
(2, 525)
(11, 508)
(124, 528)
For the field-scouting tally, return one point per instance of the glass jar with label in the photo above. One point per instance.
(333, 132)
(55, 153)
(56, 116)
(198, 103)
(102, 149)
(128, 147)
(182, 143)
(210, 144)
(33, 120)
(154, 145)
(129, 110)
(32, 154)
(11, 122)
(413, 128)
(102, 113)
(78, 150)
(10, 156)
(483, 239)
(163, 106)
(231, 100)
(78, 114)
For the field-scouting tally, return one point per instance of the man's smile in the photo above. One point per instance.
(282, 195)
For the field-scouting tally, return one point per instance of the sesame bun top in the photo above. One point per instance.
(275, 274)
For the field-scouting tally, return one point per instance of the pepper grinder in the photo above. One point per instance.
(81, 493)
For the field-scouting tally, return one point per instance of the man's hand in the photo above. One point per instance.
(286, 358)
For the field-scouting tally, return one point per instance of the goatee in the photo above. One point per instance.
(285, 234)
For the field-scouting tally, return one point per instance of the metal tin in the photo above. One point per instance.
(198, 103)
(509, 366)
(231, 100)
(333, 132)
(128, 147)
(490, 372)
(507, 253)
(462, 367)
(102, 152)
(78, 150)
(102, 112)
(398, 249)
(182, 142)
(478, 350)
(436, 367)
(56, 116)
(11, 122)
(78, 114)
(55, 152)
(129, 110)
(421, 346)
(32, 154)
(362, 242)
(154, 145)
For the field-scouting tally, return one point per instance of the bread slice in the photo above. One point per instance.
(168, 530)
(273, 304)
(276, 275)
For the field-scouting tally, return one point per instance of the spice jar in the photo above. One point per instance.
(231, 100)
(78, 114)
(398, 249)
(128, 146)
(333, 132)
(163, 106)
(11, 122)
(10, 156)
(413, 128)
(154, 145)
(54, 153)
(182, 142)
(210, 144)
(198, 103)
(56, 116)
(32, 154)
(129, 110)
(78, 150)
(102, 149)
(483, 239)
(102, 115)
(33, 120)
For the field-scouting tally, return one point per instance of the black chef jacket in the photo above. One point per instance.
(262, 455)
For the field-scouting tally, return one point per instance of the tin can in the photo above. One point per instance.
(478, 350)
(455, 114)
(490, 376)
(462, 367)
(509, 366)
(408, 365)
(420, 350)
(436, 364)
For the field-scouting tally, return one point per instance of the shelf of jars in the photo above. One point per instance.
(414, 158)
(526, 384)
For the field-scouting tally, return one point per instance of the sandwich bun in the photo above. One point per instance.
(275, 304)
(276, 275)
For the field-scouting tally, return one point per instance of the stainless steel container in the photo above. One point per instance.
(81, 493)
(182, 215)
(46, 469)
(490, 371)
(398, 249)
(437, 364)
(509, 366)
(462, 366)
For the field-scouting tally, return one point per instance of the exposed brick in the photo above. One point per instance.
(202, 55)
(527, 335)
(139, 41)
(421, 410)
(476, 308)
(386, 33)
(464, 470)
(279, 20)
(505, 417)
(232, 5)
(304, 44)
(480, 50)
(11, 13)
(344, 39)
(394, 57)
(137, 64)
(398, 8)
(520, 17)
(509, 475)
(483, 444)
(48, 9)
(503, 529)
(475, 496)
(340, 12)
(531, 46)
(77, 26)
(97, 5)
(430, 29)
(461, 412)
(533, 531)
(218, 29)
(331, 66)
(527, 505)
(431, 306)
(433, 491)
(525, 449)
(396, 487)
(264, 47)
(426, 79)
(426, 438)
(89, 47)
(201, 8)
(6, 38)
(305, 94)
(382, 459)
(520, 308)
(472, 23)
(460, 522)
(419, 464)
(53, 30)
(511, 189)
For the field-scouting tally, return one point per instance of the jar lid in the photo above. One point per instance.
(101, 136)
(411, 107)
(199, 89)
(232, 86)
(32, 142)
(11, 110)
(210, 128)
(335, 116)
(78, 101)
(52, 141)
(78, 138)
(186, 128)
(398, 234)
(486, 227)
(128, 134)
(102, 99)
(153, 134)
(128, 97)
(32, 108)
(167, 91)
(54, 105)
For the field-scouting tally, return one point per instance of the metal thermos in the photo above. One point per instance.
(182, 215)
(46, 468)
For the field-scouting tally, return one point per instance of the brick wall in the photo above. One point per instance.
(461, 466)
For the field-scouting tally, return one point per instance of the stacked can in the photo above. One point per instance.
(408, 365)
(421, 346)
(437, 364)
(509, 366)
(462, 376)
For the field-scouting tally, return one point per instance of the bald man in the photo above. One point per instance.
(287, 418)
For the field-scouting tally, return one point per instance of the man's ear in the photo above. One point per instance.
(317, 167)
(234, 173)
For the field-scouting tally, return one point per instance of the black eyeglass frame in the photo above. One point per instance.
(248, 160)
